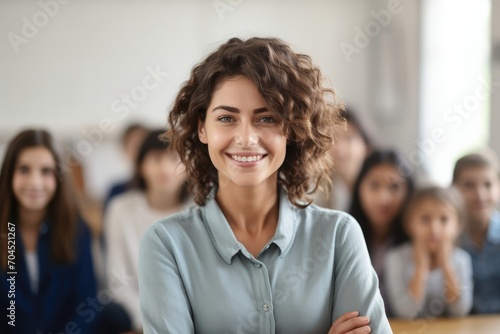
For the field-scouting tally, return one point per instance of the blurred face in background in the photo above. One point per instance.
(34, 181)
(480, 189)
(433, 222)
(382, 194)
(133, 142)
(348, 153)
(163, 172)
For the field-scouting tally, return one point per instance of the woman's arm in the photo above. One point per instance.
(349, 323)
(164, 303)
(356, 283)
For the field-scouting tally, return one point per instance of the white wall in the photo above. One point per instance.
(91, 52)
(73, 73)
(495, 97)
(79, 64)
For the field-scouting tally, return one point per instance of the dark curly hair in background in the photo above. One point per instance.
(291, 86)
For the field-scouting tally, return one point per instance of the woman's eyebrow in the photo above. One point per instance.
(236, 110)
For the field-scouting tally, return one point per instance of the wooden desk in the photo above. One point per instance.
(470, 325)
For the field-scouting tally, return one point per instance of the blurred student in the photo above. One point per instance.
(132, 139)
(351, 148)
(380, 195)
(159, 189)
(477, 176)
(55, 286)
(430, 276)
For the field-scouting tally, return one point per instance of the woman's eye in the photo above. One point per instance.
(225, 119)
(24, 169)
(394, 187)
(47, 171)
(267, 119)
(444, 220)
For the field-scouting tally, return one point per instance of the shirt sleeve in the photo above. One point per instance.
(463, 269)
(164, 303)
(118, 263)
(356, 283)
(403, 304)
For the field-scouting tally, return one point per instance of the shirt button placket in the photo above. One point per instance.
(266, 307)
(264, 295)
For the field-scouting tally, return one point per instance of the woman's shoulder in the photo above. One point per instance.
(340, 225)
(319, 215)
(180, 221)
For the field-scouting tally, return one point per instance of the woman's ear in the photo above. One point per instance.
(202, 135)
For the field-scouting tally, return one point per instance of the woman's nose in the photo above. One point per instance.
(34, 178)
(246, 136)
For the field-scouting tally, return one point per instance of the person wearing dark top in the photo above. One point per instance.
(45, 247)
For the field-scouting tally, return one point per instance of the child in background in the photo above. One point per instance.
(351, 148)
(477, 176)
(55, 282)
(159, 190)
(430, 276)
(379, 199)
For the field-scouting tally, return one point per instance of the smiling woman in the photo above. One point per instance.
(48, 252)
(253, 126)
(245, 140)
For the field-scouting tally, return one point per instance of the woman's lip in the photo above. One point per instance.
(384, 211)
(246, 154)
(34, 195)
(246, 163)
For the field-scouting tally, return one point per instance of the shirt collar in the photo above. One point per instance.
(494, 228)
(223, 237)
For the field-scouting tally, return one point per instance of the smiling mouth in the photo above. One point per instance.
(247, 158)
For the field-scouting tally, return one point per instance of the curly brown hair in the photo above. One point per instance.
(291, 86)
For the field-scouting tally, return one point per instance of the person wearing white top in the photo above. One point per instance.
(159, 191)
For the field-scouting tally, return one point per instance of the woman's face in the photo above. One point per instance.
(382, 193)
(245, 139)
(433, 223)
(163, 172)
(34, 182)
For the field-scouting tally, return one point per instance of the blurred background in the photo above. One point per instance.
(425, 74)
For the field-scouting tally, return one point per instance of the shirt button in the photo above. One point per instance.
(258, 265)
(265, 307)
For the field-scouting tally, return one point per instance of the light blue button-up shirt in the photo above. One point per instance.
(486, 268)
(195, 277)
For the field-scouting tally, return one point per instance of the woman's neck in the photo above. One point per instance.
(380, 236)
(250, 209)
(30, 220)
(163, 202)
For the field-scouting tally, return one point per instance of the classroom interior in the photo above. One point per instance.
(424, 75)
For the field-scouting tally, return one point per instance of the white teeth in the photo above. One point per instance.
(246, 158)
